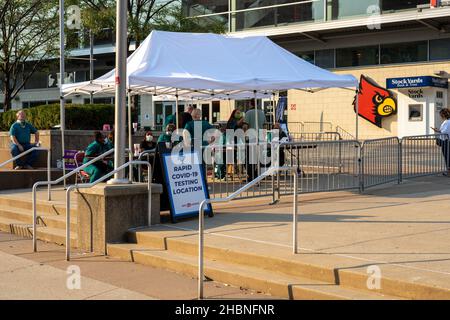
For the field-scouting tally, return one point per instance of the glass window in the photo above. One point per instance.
(307, 56)
(415, 112)
(440, 49)
(352, 57)
(404, 52)
(38, 80)
(301, 12)
(346, 8)
(325, 58)
(402, 4)
(200, 7)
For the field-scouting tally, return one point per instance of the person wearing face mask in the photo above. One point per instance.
(236, 120)
(109, 141)
(167, 136)
(20, 133)
(148, 142)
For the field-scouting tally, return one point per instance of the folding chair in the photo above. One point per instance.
(82, 175)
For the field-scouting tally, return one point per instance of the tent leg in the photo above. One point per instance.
(176, 110)
(130, 138)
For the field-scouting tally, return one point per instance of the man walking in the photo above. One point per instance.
(20, 133)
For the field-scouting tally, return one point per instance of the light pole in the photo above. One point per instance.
(121, 83)
(61, 77)
(91, 61)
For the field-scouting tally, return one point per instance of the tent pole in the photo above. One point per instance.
(130, 137)
(257, 133)
(176, 109)
(274, 108)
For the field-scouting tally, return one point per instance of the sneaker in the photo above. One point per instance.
(28, 167)
(18, 168)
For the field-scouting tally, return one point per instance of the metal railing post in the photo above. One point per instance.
(201, 275)
(90, 185)
(361, 163)
(295, 214)
(150, 178)
(68, 223)
(50, 183)
(34, 219)
(49, 175)
(201, 223)
(400, 161)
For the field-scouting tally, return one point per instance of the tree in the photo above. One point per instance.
(28, 38)
(143, 17)
(100, 14)
(173, 19)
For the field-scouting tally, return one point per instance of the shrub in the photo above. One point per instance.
(78, 116)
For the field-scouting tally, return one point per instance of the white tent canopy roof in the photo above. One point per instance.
(203, 66)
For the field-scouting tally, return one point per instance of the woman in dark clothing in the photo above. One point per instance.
(236, 120)
(148, 142)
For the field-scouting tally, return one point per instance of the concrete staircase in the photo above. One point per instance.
(16, 217)
(232, 264)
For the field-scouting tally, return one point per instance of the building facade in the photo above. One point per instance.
(377, 39)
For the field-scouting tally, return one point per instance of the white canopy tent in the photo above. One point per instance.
(193, 64)
(210, 66)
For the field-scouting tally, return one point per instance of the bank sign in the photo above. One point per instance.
(186, 184)
(416, 82)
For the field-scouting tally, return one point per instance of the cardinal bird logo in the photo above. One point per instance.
(374, 102)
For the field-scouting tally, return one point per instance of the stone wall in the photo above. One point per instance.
(74, 140)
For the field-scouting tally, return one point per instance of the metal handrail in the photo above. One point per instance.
(141, 155)
(201, 210)
(29, 151)
(90, 185)
(49, 183)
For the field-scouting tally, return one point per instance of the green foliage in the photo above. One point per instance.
(28, 33)
(78, 116)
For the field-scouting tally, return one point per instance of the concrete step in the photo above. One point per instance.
(44, 207)
(48, 234)
(276, 261)
(277, 285)
(26, 216)
(24, 179)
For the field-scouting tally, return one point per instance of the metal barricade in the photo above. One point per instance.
(381, 162)
(315, 136)
(322, 165)
(423, 155)
(320, 126)
(229, 167)
(344, 133)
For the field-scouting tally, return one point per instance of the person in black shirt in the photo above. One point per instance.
(186, 116)
(148, 143)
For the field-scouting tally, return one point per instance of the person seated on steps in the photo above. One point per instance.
(96, 148)
(20, 133)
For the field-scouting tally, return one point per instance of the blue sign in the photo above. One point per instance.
(282, 105)
(416, 82)
(186, 184)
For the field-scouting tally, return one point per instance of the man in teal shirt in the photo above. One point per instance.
(96, 148)
(20, 133)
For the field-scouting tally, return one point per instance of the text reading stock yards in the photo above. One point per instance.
(235, 309)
